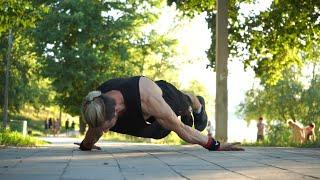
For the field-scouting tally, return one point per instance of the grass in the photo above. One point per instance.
(14, 138)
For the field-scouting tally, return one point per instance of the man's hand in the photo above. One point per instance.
(230, 147)
(93, 147)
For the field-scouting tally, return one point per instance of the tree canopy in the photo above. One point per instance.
(25, 85)
(89, 42)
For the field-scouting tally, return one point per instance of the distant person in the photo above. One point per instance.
(309, 133)
(140, 107)
(298, 132)
(66, 125)
(53, 128)
(73, 125)
(46, 126)
(57, 126)
(261, 129)
(50, 123)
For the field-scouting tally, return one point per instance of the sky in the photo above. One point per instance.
(194, 39)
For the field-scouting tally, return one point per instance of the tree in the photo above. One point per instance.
(92, 41)
(276, 38)
(282, 101)
(16, 16)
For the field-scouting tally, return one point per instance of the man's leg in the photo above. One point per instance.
(154, 130)
(198, 111)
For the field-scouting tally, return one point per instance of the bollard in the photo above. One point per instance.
(24, 128)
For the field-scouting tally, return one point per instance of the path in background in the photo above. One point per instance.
(63, 160)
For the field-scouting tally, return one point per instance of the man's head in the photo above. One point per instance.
(312, 125)
(97, 109)
(260, 118)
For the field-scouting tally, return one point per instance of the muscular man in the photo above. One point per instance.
(140, 107)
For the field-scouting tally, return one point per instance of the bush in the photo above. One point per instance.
(14, 138)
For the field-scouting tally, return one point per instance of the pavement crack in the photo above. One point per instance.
(66, 167)
(118, 164)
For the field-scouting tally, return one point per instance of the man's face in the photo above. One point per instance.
(108, 124)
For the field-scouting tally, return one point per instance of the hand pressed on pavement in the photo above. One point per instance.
(93, 147)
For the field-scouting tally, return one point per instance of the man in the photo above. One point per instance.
(261, 129)
(141, 107)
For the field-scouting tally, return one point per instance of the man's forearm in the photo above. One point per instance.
(191, 135)
(92, 136)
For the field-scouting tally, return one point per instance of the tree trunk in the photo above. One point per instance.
(222, 71)
(82, 126)
(6, 86)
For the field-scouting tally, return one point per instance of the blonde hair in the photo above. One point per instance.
(97, 108)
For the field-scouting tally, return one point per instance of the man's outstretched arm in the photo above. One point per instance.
(153, 104)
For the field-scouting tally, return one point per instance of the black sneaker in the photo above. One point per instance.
(201, 119)
(187, 119)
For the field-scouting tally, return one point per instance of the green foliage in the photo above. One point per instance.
(24, 81)
(276, 102)
(288, 99)
(16, 14)
(89, 42)
(270, 41)
(310, 101)
(13, 138)
(193, 7)
(276, 38)
(26, 85)
(278, 135)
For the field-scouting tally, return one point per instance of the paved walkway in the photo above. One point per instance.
(146, 161)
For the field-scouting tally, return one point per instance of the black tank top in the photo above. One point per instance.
(131, 121)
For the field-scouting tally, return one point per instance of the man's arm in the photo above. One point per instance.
(153, 104)
(92, 136)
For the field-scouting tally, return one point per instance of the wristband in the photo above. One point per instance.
(212, 144)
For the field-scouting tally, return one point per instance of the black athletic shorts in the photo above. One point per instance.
(179, 103)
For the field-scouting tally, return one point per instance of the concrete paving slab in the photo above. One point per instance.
(63, 160)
